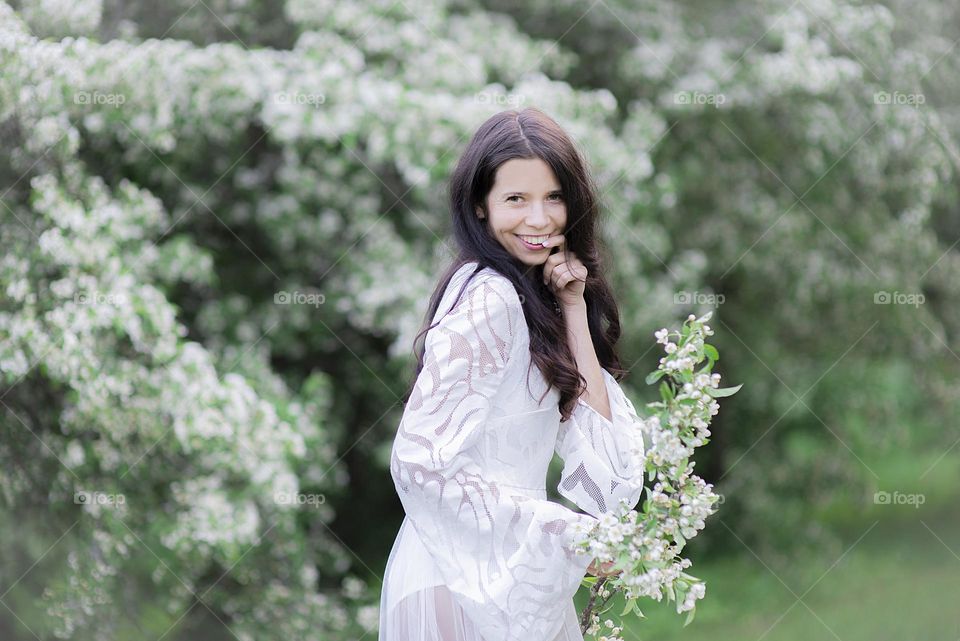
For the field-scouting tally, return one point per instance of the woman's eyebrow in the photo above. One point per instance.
(523, 193)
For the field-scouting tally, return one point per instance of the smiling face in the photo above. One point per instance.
(526, 204)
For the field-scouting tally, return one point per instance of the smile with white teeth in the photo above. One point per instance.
(533, 240)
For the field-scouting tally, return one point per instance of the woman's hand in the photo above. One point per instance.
(603, 570)
(564, 274)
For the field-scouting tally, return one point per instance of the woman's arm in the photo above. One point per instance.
(602, 443)
(578, 337)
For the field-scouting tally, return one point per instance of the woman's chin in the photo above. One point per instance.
(531, 259)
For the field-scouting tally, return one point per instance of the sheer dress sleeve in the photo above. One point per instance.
(603, 460)
(506, 557)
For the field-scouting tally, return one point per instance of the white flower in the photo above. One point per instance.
(678, 501)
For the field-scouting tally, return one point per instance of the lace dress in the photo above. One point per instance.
(482, 554)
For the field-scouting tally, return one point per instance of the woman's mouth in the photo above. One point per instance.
(533, 243)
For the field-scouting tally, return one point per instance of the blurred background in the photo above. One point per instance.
(221, 221)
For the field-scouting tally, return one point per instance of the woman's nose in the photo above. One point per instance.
(536, 217)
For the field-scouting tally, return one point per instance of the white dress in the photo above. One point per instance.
(482, 555)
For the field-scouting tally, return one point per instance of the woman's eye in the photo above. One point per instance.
(515, 198)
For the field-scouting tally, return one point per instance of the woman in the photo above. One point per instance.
(516, 367)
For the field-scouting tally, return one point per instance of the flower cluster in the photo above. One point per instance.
(645, 545)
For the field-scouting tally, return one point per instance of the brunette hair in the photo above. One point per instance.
(530, 133)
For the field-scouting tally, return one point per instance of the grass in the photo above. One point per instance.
(899, 582)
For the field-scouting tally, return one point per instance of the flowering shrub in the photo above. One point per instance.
(645, 545)
(174, 173)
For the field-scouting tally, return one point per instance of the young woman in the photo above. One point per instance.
(516, 366)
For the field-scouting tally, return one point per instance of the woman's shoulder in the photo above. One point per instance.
(487, 309)
(487, 275)
(487, 287)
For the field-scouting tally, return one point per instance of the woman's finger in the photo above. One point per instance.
(564, 277)
(548, 268)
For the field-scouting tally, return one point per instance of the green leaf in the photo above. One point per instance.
(631, 604)
(666, 393)
(679, 540)
(680, 591)
(723, 391)
(605, 608)
(654, 376)
(690, 615)
(711, 352)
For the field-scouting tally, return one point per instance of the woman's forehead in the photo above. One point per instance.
(523, 174)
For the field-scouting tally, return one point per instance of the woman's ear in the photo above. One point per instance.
(480, 213)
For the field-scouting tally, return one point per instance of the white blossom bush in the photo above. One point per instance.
(145, 411)
(644, 545)
(104, 393)
(187, 163)
(60, 18)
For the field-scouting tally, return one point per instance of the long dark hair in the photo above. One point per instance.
(531, 133)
